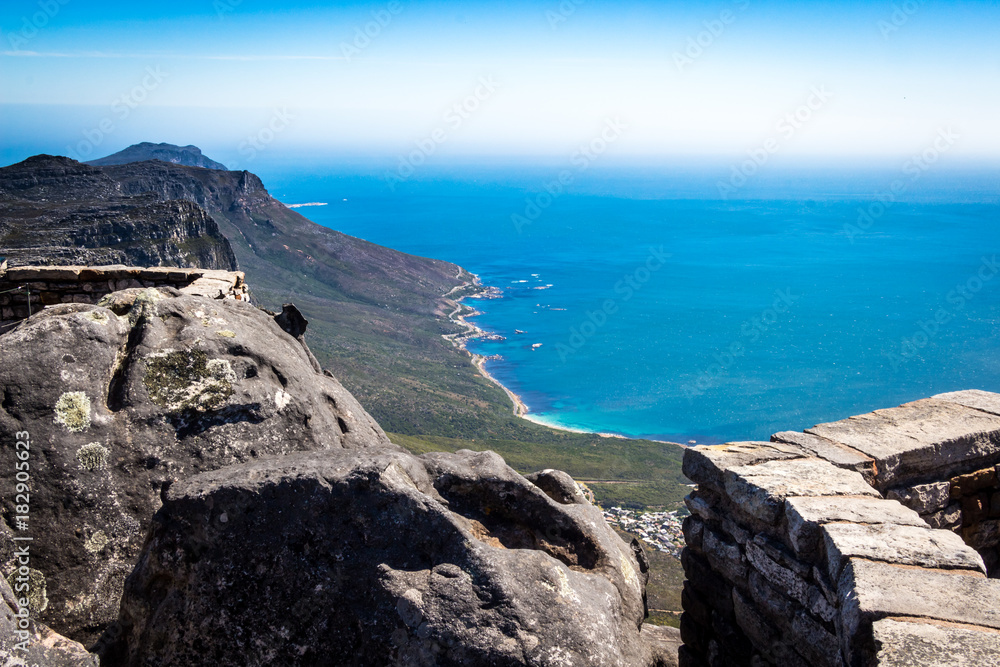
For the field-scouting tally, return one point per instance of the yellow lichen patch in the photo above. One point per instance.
(38, 600)
(226, 333)
(188, 379)
(73, 411)
(96, 543)
(93, 456)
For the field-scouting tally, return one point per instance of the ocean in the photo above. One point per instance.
(649, 304)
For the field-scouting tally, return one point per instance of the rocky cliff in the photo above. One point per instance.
(57, 211)
(201, 493)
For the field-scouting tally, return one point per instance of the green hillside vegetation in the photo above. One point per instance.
(633, 473)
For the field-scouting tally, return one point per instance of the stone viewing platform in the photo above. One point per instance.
(25, 289)
(868, 541)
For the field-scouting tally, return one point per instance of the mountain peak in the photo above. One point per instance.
(190, 156)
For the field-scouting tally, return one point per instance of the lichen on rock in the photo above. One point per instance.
(96, 543)
(165, 398)
(93, 456)
(189, 380)
(135, 304)
(144, 305)
(38, 600)
(73, 411)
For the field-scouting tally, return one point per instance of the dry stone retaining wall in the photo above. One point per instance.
(843, 545)
(25, 288)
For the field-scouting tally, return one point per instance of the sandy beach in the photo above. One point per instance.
(458, 315)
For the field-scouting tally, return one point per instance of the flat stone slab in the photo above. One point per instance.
(836, 453)
(986, 401)
(212, 284)
(760, 490)
(920, 439)
(905, 644)
(64, 273)
(902, 545)
(707, 464)
(806, 515)
(870, 591)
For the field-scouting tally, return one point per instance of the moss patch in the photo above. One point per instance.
(93, 456)
(73, 411)
(189, 380)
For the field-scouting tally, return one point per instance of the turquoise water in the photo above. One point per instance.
(696, 318)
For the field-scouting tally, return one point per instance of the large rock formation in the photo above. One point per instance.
(54, 210)
(358, 558)
(286, 528)
(121, 399)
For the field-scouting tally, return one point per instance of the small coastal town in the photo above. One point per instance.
(660, 530)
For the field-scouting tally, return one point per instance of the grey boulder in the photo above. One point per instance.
(381, 558)
(122, 399)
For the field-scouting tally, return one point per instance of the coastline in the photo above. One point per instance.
(461, 339)
(472, 331)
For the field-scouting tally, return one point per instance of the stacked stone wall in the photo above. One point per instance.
(843, 545)
(26, 289)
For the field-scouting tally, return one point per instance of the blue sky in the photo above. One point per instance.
(806, 79)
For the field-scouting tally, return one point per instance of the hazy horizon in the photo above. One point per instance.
(725, 80)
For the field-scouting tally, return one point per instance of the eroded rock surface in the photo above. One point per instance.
(122, 399)
(23, 641)
(362, 558)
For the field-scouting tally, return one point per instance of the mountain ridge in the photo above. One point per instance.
(190, 156)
